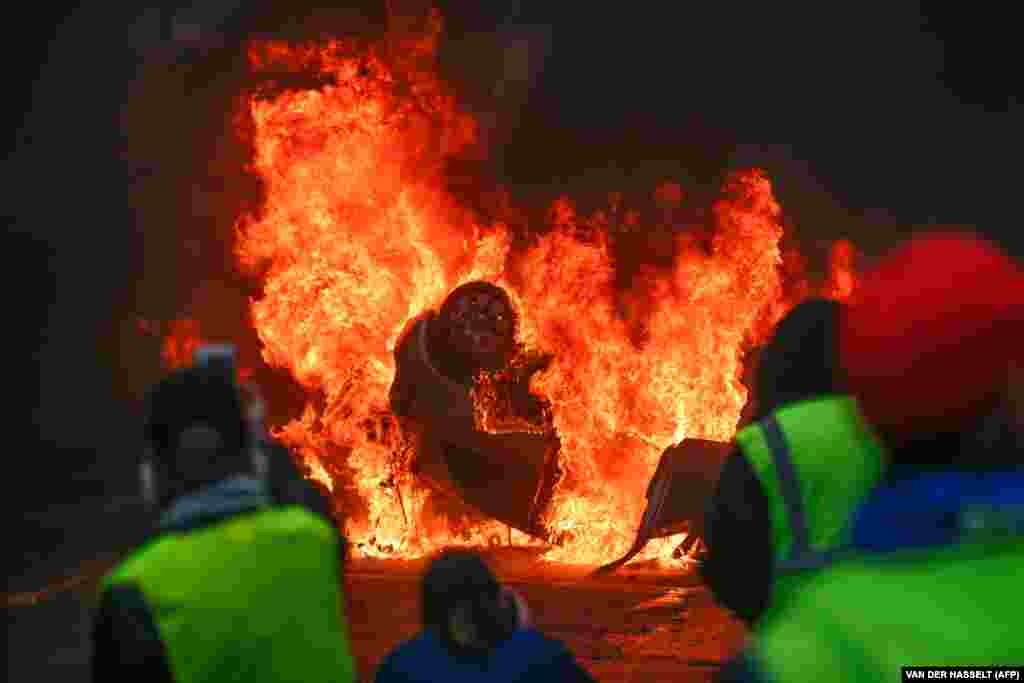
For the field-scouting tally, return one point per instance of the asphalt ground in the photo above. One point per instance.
(642, 623)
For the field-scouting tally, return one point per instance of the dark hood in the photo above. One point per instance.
(800, 361)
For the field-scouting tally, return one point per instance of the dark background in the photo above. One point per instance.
(873, 120)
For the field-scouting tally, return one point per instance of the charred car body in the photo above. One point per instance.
(510, 473)
(677, 496)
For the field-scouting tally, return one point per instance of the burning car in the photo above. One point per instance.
(358, 228)
(508, 474)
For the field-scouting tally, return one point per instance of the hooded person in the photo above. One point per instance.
(233, 584)
(786, 493)
(932, 347)
(476, 630)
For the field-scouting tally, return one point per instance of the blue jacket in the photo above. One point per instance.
(527, 656)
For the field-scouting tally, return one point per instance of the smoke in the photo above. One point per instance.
(815, 212)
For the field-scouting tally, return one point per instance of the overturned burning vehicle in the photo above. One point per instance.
(507, 468)
(508, 474)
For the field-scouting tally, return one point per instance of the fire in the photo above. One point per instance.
(618, 403)
(180, 343)
(842, 266)
(357, 236)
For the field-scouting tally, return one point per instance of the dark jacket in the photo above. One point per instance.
(527, 656)
(738, 534)
(125, 637)
(289, 487)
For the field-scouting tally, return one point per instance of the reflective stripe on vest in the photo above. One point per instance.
(801, 556)
(815, 460)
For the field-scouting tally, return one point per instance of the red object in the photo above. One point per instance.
(931, 333)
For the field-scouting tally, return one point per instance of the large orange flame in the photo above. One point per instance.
(618, 403)
(357, 236)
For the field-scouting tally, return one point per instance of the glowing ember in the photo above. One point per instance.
(357, 236)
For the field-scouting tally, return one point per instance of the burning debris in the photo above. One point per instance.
(537, 383)
(682, 485)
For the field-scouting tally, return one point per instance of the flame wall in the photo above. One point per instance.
(358, 233)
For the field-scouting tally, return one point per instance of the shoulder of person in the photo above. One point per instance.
(416, 655)
(125, 637)
(740, 669)
(533, 652)
(549, 659)
(808, 633)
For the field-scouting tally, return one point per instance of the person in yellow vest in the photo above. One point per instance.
(785, 495)
(932, 347)
(233, 585)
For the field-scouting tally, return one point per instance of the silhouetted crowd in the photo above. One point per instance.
(870, 518)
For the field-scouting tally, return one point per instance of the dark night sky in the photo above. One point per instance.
(870, 120)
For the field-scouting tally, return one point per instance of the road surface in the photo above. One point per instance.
(637, 625)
